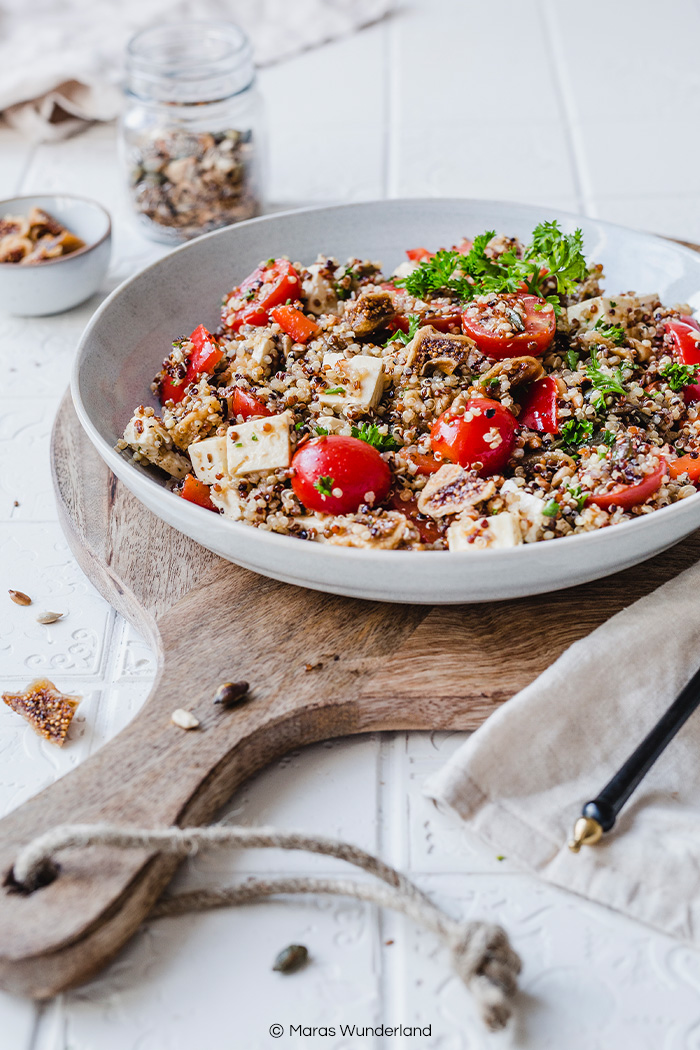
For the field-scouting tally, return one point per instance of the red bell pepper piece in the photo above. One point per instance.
(269, 285)
(204, 358)
(418, 254)
(196, 492)
(689, 465)
(540, 408)
(295, 323)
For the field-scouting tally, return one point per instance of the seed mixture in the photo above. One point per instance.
(483, 396)
(35, 238)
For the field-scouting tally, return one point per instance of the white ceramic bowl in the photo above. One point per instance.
(57, 285)
(126, 340)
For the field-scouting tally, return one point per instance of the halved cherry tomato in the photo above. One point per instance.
(296, 324)
(689, 465)
(334, 474)
(426, 462)
(248, 405)
(687, 347)
(205, 356)
(627, 496)
(540, 408)
(427, 527)
(196, 492)
(271, 284)
(418, 254)
(482, 438)
(464, 246)
(538, 322)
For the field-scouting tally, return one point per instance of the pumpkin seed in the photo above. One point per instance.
(184, 719)
(48, 617)
(291, 959)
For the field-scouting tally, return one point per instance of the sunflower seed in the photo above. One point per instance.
(19, 597)
(184, 719)
(291, 959)
(48, 617)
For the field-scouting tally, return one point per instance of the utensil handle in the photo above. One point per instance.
(607, 805)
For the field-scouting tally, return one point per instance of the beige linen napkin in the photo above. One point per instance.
(521, 779)
(61, 60)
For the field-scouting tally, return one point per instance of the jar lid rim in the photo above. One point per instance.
(239, 46)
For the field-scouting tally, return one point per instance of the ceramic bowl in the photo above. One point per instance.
(58, 284)
(128, 337)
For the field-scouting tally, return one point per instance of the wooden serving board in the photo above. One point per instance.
(383, 667)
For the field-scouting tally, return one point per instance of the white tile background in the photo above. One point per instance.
(595, 108)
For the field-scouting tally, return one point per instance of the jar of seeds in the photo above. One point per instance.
(192, 133)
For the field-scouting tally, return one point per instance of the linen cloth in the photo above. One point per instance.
(521, 779)
(61, 61)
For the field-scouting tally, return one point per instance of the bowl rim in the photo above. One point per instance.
(69, 196)
(192, 513)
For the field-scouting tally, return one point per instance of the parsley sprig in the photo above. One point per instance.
(576, 432)
(371, 433)
(414, 323)
(614, 332)
(551, 254)
(604, 382)
(679, 376)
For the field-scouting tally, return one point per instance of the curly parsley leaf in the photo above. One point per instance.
(371, 433)
(551, 254)
(604, 382)
(552, 509)
(614, 332)
(335, 390)
(576, 432)
(414, 323)
(324, 485)
(679, 376)
(577, 493)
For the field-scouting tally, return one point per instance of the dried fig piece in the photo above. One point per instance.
(48, 710)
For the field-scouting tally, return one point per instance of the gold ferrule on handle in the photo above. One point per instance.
(587, 832)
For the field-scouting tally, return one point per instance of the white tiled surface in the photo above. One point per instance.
(594, 109)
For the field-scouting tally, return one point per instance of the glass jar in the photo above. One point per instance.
(192, 134)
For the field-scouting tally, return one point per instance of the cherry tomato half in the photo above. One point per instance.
(426, 462)
(627, 496)
(245, 404)
(271, 284)
(334, 474)
(204, 357)
(482, 438)
(540, 408)
(530, 325)
(687, 348)
(418, 254)
(441, 322)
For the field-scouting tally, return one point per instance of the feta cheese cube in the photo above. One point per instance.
(225, 498)
(527, 508)
(260, 444)
(149, 439)
(500, 530)
(260, 347)
(361, 379)
(209, 460)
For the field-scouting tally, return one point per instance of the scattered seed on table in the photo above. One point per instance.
(229, 693)
(291, 959)
(49, 617)
(184, 719)
(313, 667)
(19, 597)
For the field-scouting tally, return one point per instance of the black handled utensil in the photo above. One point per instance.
(600, 815)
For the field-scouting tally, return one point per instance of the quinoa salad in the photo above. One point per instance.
(480, 396)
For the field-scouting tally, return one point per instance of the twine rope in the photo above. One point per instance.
(481, 953)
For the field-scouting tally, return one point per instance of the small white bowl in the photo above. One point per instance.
(56, 285)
